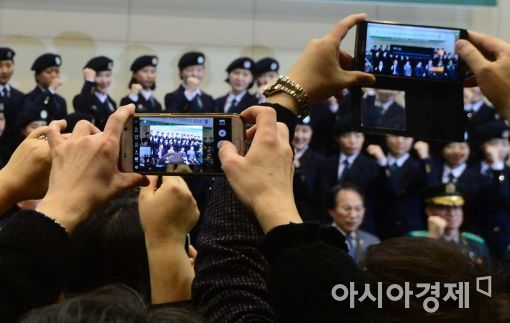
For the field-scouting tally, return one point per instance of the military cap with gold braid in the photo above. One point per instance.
(449, 194)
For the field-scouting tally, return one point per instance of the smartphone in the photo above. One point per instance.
(178, 144)
(398, 53)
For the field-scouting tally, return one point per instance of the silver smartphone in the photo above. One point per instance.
(178, 144)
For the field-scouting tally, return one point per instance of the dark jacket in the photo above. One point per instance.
(305, 177)
(142, 105)
(54, 104)
(12, 108)
(88, 103)
(176, 102)
(247, 101)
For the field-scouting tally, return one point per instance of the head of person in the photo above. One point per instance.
(46, 68)
(398, 145)
(102, 65)
(385, 95)
(240, 74)
(455, 153)
(192, 64)
(494, 136)
(6, 64)
(109, 247)
(419, 64)
(472, 95)
(302, 133)
(144, 71)
(411, 260)
(346, 207)
(265, 70)
(31, 119)
(445, 201)
(349, 141)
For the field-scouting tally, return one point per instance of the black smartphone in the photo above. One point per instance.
(419, 81)
(178, 144)
(403, 54)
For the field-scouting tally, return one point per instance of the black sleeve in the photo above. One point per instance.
(230, 281)
(35, 259)
(306, 261)
(285, 116)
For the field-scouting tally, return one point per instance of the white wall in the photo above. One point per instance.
(222, 29)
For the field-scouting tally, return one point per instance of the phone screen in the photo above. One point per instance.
(411, 51)
(178, 144)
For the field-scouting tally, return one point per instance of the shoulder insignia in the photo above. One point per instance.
(473, 237)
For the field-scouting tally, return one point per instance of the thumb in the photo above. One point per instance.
(131, 180)
(149, 189)
(471, 55)
(227, 153)
(357, 78)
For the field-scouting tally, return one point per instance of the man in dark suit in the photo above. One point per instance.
(380, 110)
(47, 76)
(10, 97)
(93, 98)
(349, 166)
(346, 208)
(306, 166)
(398, 207)
(240, 78)
(189, 98)
(142, 85)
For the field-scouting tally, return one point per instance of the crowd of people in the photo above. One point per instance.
(439, 64)
(331, 209)
(163, 145)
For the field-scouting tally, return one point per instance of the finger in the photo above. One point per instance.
(53, 134)
(283, 132)
(250, 133)
(117, 120)
(149, 189)
(263, 117)
(341, 28)
(346, 60)
(192, 252)
(170, 181)
(488, 44)
(131, 180)
(84, 128)
(41, 131)
(228, 154)
(472, 56)
(356, 78)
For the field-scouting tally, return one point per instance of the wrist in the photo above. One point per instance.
(274, 212)
(8, 195)
(164, 242)
(285, 100)
(63, 210)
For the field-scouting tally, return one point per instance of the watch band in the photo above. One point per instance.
(284, 84)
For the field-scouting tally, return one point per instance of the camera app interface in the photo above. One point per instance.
(183, 145)
(408, 51)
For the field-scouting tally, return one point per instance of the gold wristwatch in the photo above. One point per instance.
(284, 84)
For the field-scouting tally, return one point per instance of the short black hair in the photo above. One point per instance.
(343, 187)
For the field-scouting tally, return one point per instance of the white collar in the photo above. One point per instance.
(385, 106)
(101, 96)
(350, 159)
(147, 94)
(238, 97)
(7, 86)
(457, 171)
(400, 161)
(300, 153)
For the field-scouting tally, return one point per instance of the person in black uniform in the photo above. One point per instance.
(349, 166)
(398, 206)
(306, 167)
(189, 97)
(2, 131)
(94, 99)
(265, 70)
(143, 82)
(380, 110)
(10, 97)
(240, 78)
(47, 77)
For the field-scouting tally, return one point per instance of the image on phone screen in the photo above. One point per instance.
(383, 109)
(411, 51)
(183, 145)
